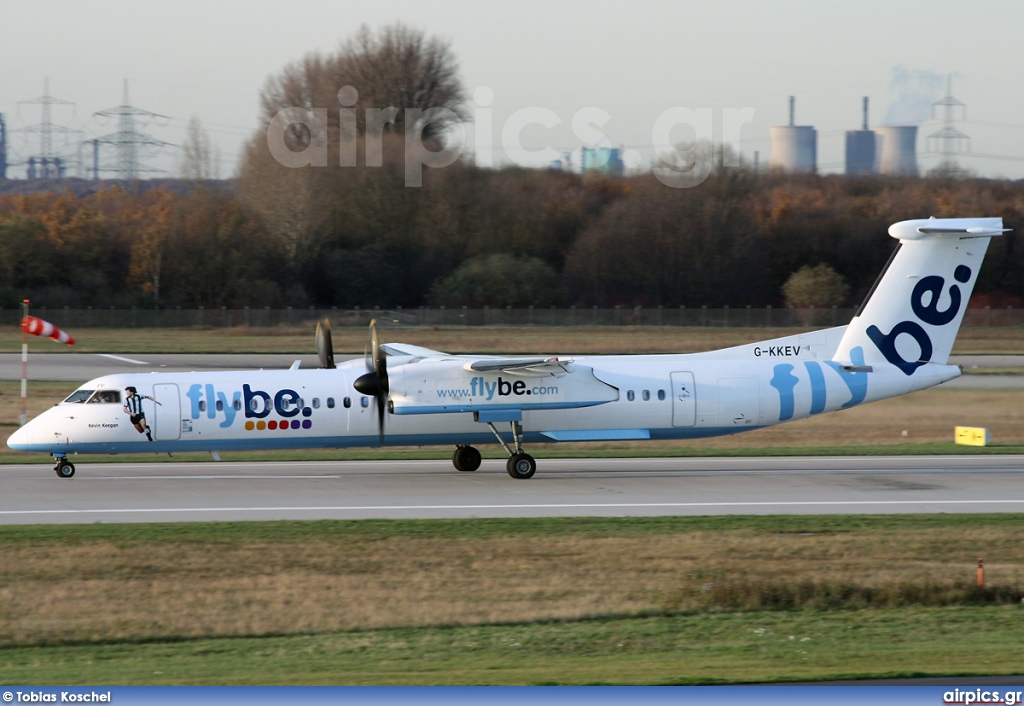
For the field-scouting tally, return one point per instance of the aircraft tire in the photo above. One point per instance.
(64, 469)
(521, 466)
(466, 459)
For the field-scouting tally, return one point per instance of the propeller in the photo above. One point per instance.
(374, 383)
(324, 347)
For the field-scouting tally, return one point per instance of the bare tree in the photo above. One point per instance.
(403, 68)
(199, 157)
(396, 67)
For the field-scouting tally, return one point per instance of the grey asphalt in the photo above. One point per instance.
(80, 367)
(181, 492)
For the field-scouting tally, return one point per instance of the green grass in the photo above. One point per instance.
(712, 648)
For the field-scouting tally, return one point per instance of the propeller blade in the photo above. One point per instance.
(375, 382)
(324, 346)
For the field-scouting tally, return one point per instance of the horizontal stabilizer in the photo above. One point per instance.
(961, 227)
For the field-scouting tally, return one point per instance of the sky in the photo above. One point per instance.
(633, 60)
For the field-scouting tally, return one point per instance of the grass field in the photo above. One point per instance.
(556, 600)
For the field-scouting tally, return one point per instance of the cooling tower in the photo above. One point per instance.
(794, 147)
(897, 150)
(860, 148)
(860, 152)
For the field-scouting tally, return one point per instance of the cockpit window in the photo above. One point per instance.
(105, 396)
(79, 396)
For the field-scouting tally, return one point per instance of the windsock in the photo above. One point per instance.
(38, 327)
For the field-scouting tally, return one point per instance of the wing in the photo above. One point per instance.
(525, 367)
(400, 349)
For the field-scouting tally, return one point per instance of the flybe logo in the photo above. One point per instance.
(254, 404)
(924, 301)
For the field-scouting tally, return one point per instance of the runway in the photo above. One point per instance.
(184, 492)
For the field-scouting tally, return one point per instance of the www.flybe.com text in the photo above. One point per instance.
(479, 387)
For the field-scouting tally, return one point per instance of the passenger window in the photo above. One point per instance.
(330, 403)
(348, 402)
(220, 405)
(647, 395)
(630, 396)
(661, 395)
(316, 403)
(202, 405)
(237, 404)
(364, 401)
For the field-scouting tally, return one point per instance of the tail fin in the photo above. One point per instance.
(912, 314)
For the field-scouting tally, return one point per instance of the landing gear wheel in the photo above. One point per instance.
(466, 459)
(521, 466)
(64, 469)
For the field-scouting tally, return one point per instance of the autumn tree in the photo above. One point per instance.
(817, 286)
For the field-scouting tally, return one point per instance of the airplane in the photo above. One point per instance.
(898, 342)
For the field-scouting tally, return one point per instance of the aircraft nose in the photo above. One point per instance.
(26, 438)
(18, 439)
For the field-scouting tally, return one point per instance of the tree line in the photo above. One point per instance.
(476, 237)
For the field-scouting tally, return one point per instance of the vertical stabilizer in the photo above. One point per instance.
(912, 314)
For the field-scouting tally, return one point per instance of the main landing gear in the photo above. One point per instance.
(520, 465)
(63, 467)
(466, 459)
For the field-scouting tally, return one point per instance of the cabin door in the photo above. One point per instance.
(167, 418)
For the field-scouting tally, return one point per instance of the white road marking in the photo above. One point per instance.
(523, 506)
(118, 357)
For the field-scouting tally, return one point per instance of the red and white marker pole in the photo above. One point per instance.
(24, 365)
(37, 327)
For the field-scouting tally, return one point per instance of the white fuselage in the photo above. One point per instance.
(651, 397)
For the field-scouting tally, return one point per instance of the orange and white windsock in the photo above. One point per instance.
(38, 327)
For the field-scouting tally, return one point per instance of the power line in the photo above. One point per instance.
(51, 165)
(128, 141)
(951, 141)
